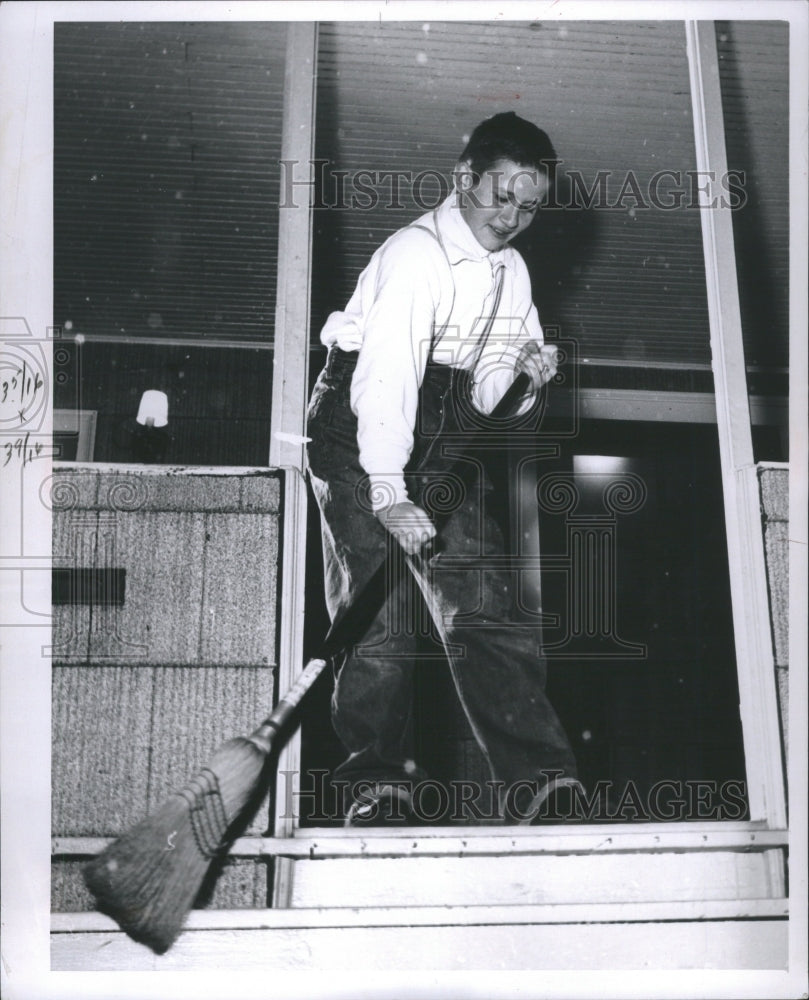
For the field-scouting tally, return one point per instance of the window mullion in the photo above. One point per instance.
(754, 654)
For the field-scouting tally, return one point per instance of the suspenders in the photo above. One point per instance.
(436, 235)
(484, 335)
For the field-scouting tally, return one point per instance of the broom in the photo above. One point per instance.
(147, 879)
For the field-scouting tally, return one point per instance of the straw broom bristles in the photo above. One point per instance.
(148, 879)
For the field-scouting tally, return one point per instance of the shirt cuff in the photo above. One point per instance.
(385, 491)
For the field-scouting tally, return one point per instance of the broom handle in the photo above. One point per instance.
(370, 599)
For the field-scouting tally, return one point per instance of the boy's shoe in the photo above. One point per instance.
(382, 805)
(557, 802)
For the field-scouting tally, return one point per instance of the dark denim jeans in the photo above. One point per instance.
(494, 658)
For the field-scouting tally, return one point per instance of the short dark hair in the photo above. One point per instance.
(506, 136)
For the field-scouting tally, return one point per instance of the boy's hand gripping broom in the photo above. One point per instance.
(148, 878)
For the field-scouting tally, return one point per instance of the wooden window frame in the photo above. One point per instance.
(750, 606)
(745, 541)
(290, 390)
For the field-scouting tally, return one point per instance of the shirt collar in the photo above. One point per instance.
(458, 239)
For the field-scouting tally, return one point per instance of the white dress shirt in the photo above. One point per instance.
(413, 296)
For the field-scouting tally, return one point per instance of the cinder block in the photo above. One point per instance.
(261, 491)
(159, 622)
(240, 884)
(100, 748)
(69, 894)
(775, 493)
(70, 489)
(782, 676)
(776, 547)
(74, 546)
(240, 572)
(169, 490)
(196, 711)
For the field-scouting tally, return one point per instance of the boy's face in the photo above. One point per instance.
(503, 204)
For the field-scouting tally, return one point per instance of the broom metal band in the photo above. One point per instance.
(209, 821)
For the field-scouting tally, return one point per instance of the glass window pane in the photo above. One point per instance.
(166, 176)
(618, 276)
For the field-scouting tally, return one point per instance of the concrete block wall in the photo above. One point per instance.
(145, 691)
(774, 483)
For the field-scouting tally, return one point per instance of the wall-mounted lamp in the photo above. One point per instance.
(154, 409)
(150, 437)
